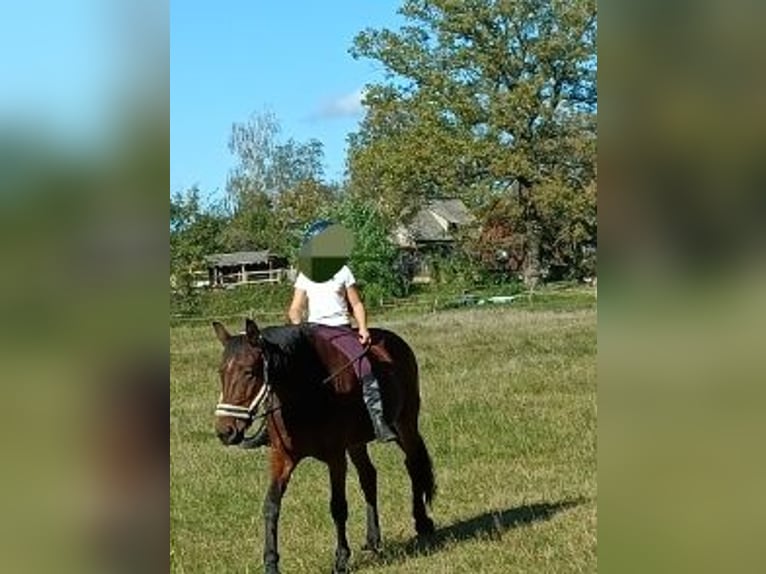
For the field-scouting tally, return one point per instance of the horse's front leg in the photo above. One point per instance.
(368, 479)
(339, 510)
(281, 468)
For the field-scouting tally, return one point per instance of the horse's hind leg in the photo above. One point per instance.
(420, 469)
(339, 509)
(368, 480)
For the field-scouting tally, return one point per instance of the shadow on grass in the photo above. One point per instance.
(490, 524)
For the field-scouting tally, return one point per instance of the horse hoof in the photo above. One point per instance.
(341, 561)
(372, 547)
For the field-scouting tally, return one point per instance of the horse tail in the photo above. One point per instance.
(423, 471)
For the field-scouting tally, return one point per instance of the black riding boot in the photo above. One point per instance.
(371, 396)
(261, 438)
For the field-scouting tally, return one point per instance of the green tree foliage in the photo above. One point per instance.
(374, 257)
(480, 94)
(567, 241)
(301, 204)
(195, 231)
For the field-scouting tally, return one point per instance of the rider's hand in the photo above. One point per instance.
(364, 336)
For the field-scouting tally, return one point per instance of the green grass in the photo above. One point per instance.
(509, 416)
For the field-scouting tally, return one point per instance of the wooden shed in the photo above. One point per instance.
(245, 267)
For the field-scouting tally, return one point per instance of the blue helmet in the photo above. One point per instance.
(316, 228)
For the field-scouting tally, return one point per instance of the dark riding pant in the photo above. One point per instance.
(346, 340)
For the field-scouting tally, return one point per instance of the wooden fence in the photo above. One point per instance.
(242, 277)
(423, 304)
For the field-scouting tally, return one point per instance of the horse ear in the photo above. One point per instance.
(252, 332)
(221, 332)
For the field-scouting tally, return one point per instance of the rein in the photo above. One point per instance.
(346, 365)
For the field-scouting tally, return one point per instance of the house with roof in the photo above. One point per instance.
(435, 224)
(432, 231)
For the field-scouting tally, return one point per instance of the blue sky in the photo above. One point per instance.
(235, 58)
(64, 82)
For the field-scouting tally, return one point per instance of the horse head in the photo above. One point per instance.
(244, 381)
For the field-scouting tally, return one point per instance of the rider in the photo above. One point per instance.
(329, 294)
(328, 299)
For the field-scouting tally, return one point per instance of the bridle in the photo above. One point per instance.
(247, 413)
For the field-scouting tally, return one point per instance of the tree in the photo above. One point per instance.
(299, 206)
(275, 188)
(567, 241)
(266, 165)
(480, 94)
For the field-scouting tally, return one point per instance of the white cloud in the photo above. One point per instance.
(345, 106)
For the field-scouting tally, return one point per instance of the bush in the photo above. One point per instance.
(372, 294)
(185, 302)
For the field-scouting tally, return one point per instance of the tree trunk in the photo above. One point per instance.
(532, 264)
(531, 269)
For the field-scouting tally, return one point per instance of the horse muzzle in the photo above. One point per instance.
(233, 420)
(230, 434)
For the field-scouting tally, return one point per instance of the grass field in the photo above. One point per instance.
(509, 416)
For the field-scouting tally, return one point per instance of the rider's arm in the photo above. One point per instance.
(357, 308)
(295, 312)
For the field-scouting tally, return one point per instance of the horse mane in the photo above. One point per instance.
(286, 338)
(292, 358)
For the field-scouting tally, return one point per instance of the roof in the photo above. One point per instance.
(239, 258)
(453, 210)
(425, 227)
(433, 222)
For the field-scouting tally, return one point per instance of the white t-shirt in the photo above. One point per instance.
(327, 301)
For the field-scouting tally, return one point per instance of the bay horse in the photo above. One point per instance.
(313, 408)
